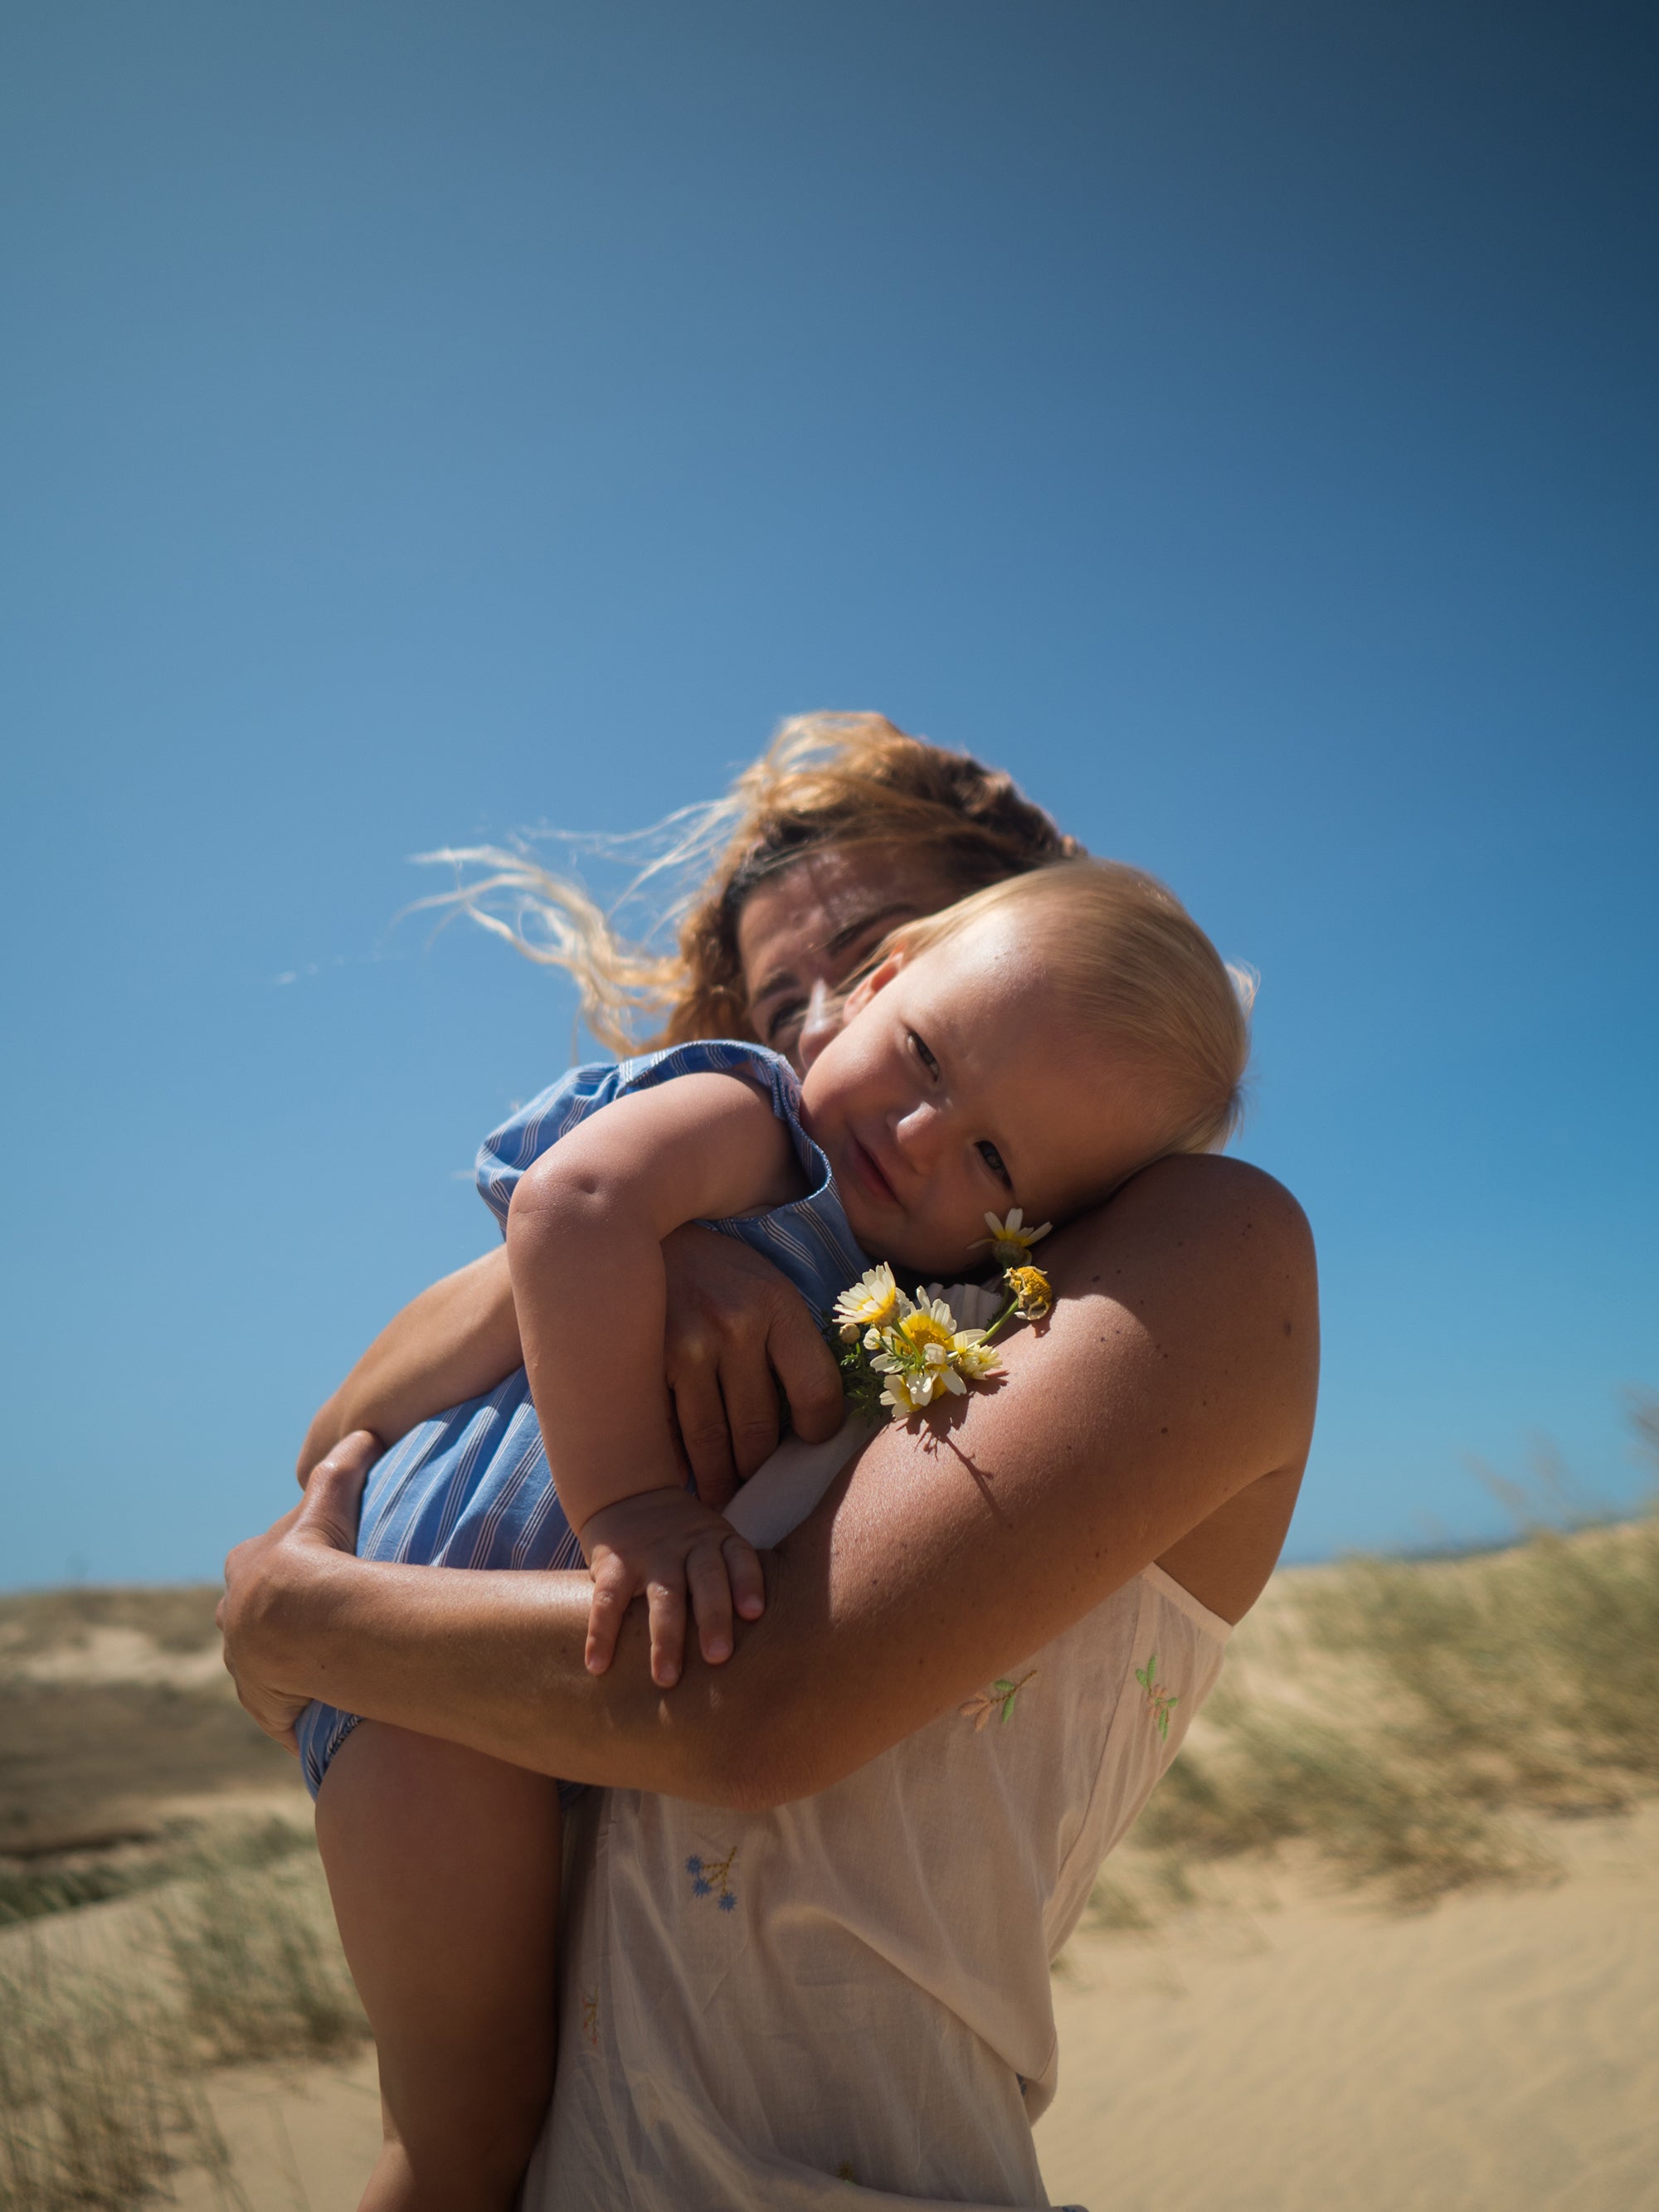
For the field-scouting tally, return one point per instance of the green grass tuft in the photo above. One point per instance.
(100, 2067)
(1412, 1721)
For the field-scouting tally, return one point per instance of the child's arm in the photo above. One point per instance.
(584, 1244)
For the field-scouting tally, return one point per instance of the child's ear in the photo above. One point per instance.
(877, 980)
(827, 1018)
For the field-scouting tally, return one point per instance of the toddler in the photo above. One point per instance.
(1031, 1047)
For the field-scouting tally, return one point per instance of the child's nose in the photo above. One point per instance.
(921, 1132)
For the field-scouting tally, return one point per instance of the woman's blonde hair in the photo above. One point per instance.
(826, 780)
(1131, 965)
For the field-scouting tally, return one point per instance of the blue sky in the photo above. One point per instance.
(421, 423)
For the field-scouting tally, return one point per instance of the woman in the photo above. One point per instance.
(811, 1917)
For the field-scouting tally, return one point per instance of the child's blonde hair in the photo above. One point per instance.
(1133, 965)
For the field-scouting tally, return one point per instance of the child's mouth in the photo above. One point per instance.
(867, 1170)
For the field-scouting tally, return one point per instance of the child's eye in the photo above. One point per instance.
(789, 1016)
(923, 1055)
(993, 1159)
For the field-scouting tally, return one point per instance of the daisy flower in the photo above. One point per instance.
(1010, 1244)
(972, 1356)
(930, 1325)
(874, 1302)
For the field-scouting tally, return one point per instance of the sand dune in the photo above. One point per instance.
(1306, 2054)
(1292, 2051)
(1269, 2040)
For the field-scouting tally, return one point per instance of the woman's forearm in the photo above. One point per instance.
(491, 1660)
(459, 1339)
(1177, 1370)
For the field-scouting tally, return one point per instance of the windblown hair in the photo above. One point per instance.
(826, 780)
(1132, 966)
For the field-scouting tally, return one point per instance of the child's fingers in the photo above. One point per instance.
(746, 1577)
(711, 1602)
(666, 1602)
(612, 1589)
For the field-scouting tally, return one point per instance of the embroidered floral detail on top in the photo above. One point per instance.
(1160, 1704)
(998, 1699)
(712, 1878)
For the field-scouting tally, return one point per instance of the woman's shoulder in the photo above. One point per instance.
(1209, 1262)
(1225, 1202)
(1209, 1256)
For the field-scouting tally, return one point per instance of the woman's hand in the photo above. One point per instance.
(260, 1573)
(737, 1331)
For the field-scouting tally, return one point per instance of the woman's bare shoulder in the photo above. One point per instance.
(1206, 1196)
(1174, 1378)
(1219, 1248)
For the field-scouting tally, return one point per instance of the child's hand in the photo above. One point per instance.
(663, 1542)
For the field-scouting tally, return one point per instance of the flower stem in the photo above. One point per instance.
(1002, 1319)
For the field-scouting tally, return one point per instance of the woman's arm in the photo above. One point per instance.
(459, 1339)
(738, 1331)
(1178, 1371)
(452, 1344)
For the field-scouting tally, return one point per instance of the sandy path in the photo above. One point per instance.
(303, 2139)
(1502, 2051)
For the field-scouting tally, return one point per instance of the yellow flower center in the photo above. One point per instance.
(1030, 1287)
(922, 1330)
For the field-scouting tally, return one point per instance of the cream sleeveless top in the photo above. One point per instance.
(758, 2009)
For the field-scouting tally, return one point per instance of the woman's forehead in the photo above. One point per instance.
(811, 916)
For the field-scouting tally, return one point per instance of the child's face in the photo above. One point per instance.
(956, 1088)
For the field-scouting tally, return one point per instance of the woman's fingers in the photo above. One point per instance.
(750, 1397)
(700, 1411)
(807, 1367)
(736, 1329)
(334, 1491)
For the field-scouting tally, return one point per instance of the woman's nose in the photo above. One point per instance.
(826, 1010)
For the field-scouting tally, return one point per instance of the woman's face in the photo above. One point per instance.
(804, 932)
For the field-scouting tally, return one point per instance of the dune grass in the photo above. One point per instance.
(175, 1618)
(1414, 1724)
(103, 2053)
(34, 1887)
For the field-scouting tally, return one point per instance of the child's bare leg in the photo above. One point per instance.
(444, 1868)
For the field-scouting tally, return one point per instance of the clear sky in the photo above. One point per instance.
(423, 421)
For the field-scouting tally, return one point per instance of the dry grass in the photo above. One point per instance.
(1416, 1725)
(38, 1884)
(101, 2060)
(178, 1619)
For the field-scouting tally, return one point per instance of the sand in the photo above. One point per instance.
(1292, 2051)
(1283, 2045)
(1499, 2051)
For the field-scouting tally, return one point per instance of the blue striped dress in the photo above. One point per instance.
(472, 1487)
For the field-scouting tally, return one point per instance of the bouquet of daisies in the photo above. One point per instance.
(901, 1352)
